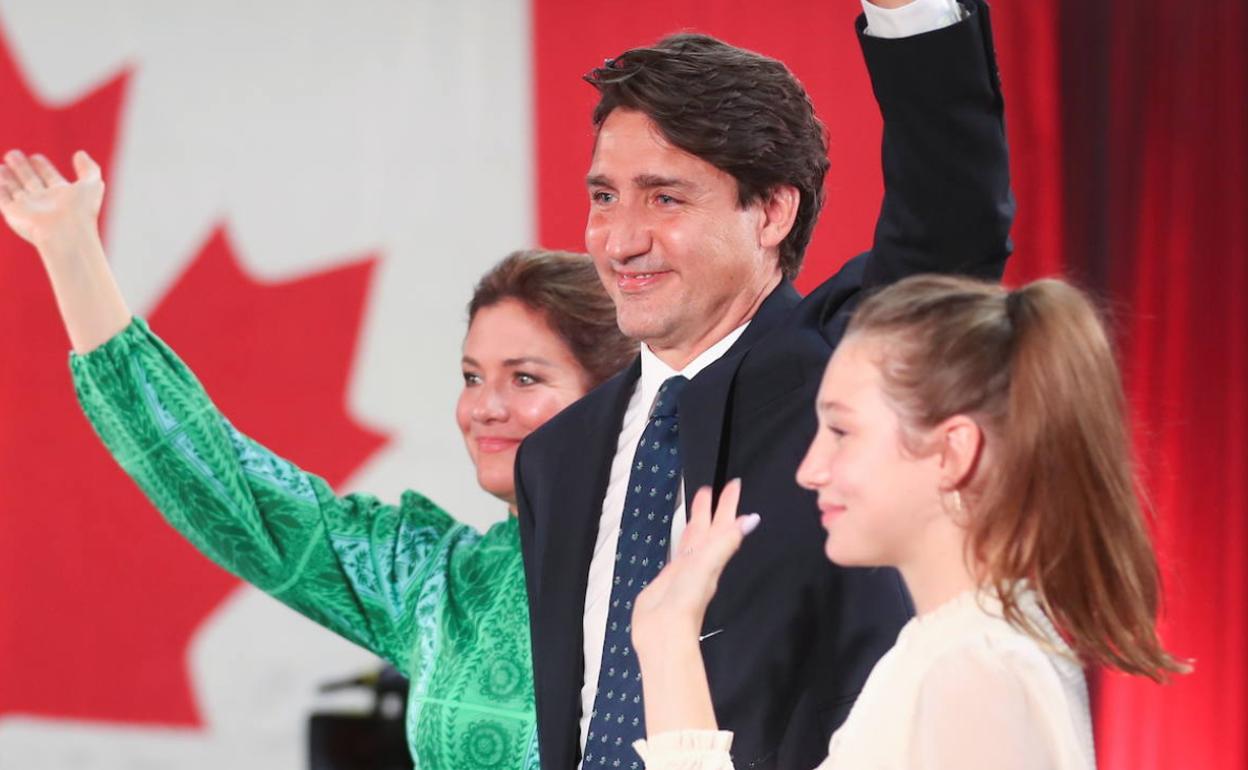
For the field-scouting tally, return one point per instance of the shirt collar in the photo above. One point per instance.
(654, 372)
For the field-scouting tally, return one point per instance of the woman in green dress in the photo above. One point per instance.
(443, 603)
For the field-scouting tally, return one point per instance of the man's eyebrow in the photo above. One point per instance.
(650, 181)
(644, 181)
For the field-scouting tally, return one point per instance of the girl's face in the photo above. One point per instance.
(518, 373)
(878, 500)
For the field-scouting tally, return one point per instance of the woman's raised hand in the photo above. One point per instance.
(675, 601)
(61, 220)
(668, 615)
(41, 206)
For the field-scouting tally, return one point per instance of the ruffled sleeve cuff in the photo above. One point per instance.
(687, 750)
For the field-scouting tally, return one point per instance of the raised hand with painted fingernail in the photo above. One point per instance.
(668, 614)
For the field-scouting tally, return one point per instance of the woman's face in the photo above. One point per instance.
(877, 500)
(518, 373)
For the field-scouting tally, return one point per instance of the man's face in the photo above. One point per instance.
(684, 263)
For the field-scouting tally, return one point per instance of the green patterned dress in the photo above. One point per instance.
(443, 603)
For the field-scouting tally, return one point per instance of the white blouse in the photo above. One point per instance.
(961, 689)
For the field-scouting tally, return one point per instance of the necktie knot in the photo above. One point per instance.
(669, 394)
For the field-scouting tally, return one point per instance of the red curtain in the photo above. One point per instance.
(1176, 243)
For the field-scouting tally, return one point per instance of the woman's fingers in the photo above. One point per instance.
(715, 537)
(19, 164)
(727, 531)
(726, 511)
(699, 522)
(85, 167)
(47, 172)
(726, 518)
(36, 172)
(9, 181)
(9, 184)
(700, 514)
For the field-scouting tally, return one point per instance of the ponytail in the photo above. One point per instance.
(1055, 502)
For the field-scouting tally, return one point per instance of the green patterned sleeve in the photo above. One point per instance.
(362, 568)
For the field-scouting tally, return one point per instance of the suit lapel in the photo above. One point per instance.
(774, 309)
(583, 463)
(705, 400)
(569, 529)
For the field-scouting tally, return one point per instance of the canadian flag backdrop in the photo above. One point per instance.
(300, 197)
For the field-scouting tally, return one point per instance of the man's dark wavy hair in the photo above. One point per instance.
(742, 112)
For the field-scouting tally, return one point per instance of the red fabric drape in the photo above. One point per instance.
(1178, 270)
(1028, 55)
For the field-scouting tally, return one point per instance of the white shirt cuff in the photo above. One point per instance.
(914, 18)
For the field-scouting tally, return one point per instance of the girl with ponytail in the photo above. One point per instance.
(975, 439)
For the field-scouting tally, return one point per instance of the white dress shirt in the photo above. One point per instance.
(913, 19)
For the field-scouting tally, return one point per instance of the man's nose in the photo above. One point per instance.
(628, 234)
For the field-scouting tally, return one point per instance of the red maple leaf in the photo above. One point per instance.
(98, 597)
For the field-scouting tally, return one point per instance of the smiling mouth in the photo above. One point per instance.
(493, 445)
(828, 513)
(633, 283)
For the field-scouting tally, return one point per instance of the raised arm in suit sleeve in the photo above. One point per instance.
(947, 202)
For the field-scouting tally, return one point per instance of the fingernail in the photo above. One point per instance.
(749, 523)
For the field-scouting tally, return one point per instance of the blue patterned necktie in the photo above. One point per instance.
(645, 527)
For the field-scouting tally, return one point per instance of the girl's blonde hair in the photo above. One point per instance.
(1053, 500)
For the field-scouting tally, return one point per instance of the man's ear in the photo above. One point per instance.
(779, 209)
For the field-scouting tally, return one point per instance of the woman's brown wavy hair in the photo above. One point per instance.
(565, 288)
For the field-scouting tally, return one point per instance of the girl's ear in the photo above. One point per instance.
(960, 441)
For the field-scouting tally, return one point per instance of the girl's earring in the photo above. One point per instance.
(956, 508)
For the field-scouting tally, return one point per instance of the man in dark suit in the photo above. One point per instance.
(705, 185)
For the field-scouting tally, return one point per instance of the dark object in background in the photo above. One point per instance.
(373, 740)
